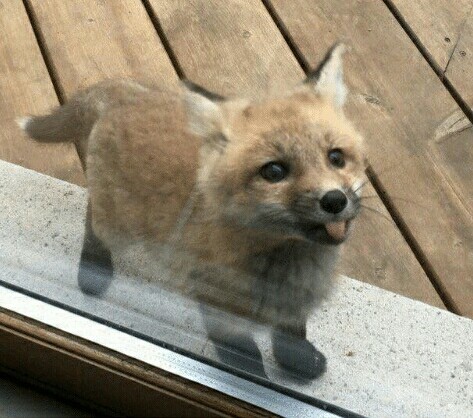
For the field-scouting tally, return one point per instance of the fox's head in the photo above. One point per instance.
(291, 164)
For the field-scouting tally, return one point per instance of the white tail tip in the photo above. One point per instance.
(23, 122)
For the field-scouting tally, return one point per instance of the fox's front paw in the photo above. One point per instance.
(298, 356)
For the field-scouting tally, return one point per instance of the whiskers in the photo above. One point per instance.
(360, 186)
(378, 212)
(361, 200)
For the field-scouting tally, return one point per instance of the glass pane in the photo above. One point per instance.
(222, 227)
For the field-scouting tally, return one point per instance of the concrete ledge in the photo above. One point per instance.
(388, 355)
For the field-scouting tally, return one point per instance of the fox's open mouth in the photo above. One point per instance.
(333, 233)
(337, 230)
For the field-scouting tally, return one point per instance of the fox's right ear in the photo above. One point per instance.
(203, 110)
(327, 78)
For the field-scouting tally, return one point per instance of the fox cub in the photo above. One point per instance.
(244, 200)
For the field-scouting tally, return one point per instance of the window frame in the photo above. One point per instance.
(78, 357)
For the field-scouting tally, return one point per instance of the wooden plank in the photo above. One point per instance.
(445, 30)
(90, 40)
(400, 104)
(458, 71)
(438, 24)
(236, 49)
(25, 87)
(220, 46)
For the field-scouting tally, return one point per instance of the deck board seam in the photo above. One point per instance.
(430, 60)
(416, 249)
(460, 33)
(44, 51)
(283, 30)
(163, 38)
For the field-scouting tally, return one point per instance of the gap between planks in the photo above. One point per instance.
(44, 51)
(412, 242)
(440, 72)
(164, 40)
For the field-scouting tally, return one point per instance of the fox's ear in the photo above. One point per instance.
(327, 78)
(203, 110)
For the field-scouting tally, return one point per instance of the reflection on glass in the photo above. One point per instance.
(235, 205)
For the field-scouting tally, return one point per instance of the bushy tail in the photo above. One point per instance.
(74, 120)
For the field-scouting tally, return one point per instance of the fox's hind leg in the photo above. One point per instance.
(95, 267)
(235, 346)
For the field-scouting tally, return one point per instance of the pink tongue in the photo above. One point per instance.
(336, 230)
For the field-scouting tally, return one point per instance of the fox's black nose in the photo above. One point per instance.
(334, 201)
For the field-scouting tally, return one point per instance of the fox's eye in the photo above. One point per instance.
(336, 157)
(273, 172)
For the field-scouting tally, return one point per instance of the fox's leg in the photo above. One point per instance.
(293, 351)
(95, 267)
(235, 346)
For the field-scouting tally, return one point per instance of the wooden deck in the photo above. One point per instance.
(409, 71)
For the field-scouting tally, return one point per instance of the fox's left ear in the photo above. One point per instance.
(203, 110)
(327, 78)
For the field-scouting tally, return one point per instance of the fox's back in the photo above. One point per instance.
(141, 168)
